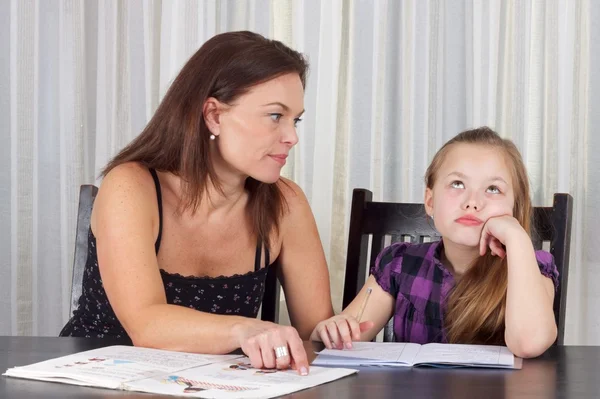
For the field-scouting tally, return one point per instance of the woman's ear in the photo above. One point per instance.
(428, 202)
(211, 111)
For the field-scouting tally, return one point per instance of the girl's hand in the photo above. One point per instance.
(339, 331)
(258, 339)
(496, 233)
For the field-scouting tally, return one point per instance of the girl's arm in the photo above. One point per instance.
(530, 324)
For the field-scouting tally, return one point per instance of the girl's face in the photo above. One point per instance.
(472, 185)
(257, 132)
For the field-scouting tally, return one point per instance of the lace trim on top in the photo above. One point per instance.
(192, 278)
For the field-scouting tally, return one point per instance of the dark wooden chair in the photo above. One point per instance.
(270, 304)
(87, 196)
(408, 222)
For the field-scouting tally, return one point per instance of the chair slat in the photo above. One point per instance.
(87, 196)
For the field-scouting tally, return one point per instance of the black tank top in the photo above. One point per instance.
(239, 295)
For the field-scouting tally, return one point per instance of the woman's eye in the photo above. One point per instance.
(457, 184)
(493, 190)
(275, 117)
(296, 121)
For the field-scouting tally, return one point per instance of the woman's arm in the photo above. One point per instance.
(530, 324)
(125, 223)
(304, 275)
(306, 283)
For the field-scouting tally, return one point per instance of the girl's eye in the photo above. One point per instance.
(493, 190)
(457, 184)
(275, 117)
(296, 121)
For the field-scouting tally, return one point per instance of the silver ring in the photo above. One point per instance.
(281, 351)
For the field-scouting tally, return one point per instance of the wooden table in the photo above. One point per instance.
(562, 372)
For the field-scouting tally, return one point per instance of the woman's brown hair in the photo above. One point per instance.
(176, 139)
(477, 304)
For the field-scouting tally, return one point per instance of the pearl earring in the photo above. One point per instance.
(212, 137)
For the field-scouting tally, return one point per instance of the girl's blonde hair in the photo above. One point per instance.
(477, 304)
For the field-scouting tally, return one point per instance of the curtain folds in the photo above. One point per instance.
(390, 82)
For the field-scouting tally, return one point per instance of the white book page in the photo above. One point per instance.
(113, 365)
(235, 379)
(388, 353)
(465, 355)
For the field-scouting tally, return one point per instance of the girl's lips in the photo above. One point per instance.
(469, 221)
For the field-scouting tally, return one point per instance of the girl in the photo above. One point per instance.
(483, 283)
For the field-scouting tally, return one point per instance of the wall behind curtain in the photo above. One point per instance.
(390, 82)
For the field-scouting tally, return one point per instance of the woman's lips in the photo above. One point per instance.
(279, 158)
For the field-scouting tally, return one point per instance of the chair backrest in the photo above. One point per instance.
(270, 304)
(408, 222)
(87, 195)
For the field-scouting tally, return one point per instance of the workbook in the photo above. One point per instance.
(398, 354)
(174, 373)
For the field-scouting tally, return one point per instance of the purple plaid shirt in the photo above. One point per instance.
(415, 276)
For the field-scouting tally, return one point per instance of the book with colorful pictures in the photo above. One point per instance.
(173, 373)
(398, 354)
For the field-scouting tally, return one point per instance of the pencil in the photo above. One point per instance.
(364, 304)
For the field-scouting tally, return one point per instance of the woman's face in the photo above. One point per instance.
(256, 133)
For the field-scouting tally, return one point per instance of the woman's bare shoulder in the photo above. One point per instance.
(297, 203)
(293, 194)
(131, 178)
(128, 190)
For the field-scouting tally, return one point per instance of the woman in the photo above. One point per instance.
(192, 212)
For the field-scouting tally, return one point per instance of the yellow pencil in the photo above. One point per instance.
(364, 304)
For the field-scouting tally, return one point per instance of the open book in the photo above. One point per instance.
(173, 373)
(398, 354)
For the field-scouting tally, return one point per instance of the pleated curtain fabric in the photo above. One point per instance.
(390, 82)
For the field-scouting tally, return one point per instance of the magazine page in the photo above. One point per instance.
(370, 353)
(109, 367)
(235, 379)
(466, 355)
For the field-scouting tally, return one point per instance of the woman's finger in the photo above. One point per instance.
(268, 353)
(282, 355)
(298, 354)
(252, 350)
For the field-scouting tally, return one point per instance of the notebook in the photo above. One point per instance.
(397, 354)
(174, 373)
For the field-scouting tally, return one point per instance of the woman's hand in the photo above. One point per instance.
(496, 233)
(259, 340)
(339, 331)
